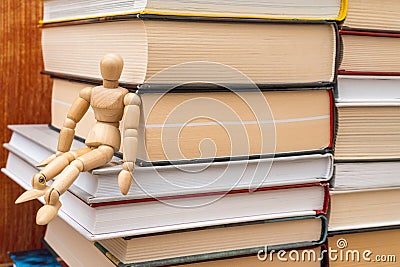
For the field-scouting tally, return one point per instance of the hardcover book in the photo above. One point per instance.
(368, 89)
(161, 181)
(78, 251)
(103, 218)
(367, 131)
(373, 15)
(377, 247)
(217, 243)
(366, 175)
(175, 51)
(176, 127)
(370, 53)
(377, 207)
(63, 10)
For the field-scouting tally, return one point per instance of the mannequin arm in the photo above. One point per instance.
(130, 140)
(75, 114)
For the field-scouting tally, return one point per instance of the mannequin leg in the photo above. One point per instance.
(93, 159)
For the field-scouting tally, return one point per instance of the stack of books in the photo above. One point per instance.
(364, 197)
(235, 137)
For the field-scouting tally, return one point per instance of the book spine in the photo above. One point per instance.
(368, 73)
(368, 32)
(111, 257)
(326, 200)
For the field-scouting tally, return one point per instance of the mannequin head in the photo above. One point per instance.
(111, 67)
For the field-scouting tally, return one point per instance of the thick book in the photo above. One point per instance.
(217, 242)
(373, 15)
(306, 257)
(72, 247)
(367, 131)
(38, 141)
(377, 247)
(63, 10)
(364, 208)
(370, 53)
(78, 251)
(124, 216)
(175, 52)
(176, 127)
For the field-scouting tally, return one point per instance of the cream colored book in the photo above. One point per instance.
(177, 126)
(63, 10)
(367, 53)
(357, 209)
(72, 247)
(217, 242)
(254, 261)
(373, 15)
(375, 247)
(368, 130)
(175, 52)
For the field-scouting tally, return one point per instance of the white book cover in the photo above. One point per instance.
(162, 181)
(354, 90)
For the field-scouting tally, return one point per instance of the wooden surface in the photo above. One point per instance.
(25, 98)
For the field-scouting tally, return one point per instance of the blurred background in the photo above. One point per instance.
(25, 98)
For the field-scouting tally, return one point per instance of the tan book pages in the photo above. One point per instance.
(64, 93)
(232, 124)
(370, 54)
(382, 245)
(254, 261)
(373, 15)
(226, 239)
(360, 209)
(368, 132)
(265, 52)
(299, 120)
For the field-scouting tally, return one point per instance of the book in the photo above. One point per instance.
(367, 131)
(370, 53)
(368, 89)
(103, 218)
(311, 256)
(32, 258)
(62, 10)
(217, 242)
(173, 52)
(366, 175)
(317, 256)
(272, 122)
(373, 15)
(161, 181)
(72, 247)
(369, 208)
(367, 247)
(78, 251)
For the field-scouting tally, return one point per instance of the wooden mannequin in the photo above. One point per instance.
(110, 103)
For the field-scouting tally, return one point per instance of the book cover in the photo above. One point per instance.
(227, 253)
(56, 11)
